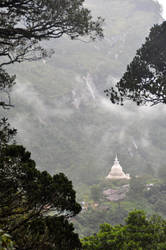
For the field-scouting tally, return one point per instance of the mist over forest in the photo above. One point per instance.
(82, 128)
(65, 119)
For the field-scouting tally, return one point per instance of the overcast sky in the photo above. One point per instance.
(163, 3)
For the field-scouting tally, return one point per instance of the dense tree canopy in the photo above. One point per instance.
(5, 241)
(27, 196)
(144, 82)
(139, 233)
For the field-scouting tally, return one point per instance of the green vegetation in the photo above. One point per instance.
(27, 195)
(139, 233)
(67, 124)
(144, 80)
(145, 193)
(95, 132)
(5, 241)
(24, 24)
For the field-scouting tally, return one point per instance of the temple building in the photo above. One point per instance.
(117, 171)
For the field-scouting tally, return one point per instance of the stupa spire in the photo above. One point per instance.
(116, 159)
(117, 171)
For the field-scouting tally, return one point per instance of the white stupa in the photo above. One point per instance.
(117, 171)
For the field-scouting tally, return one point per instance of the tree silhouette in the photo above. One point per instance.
(144, 82)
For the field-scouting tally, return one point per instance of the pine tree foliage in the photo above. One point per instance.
(144, 82)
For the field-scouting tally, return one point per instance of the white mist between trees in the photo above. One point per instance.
(163, 4)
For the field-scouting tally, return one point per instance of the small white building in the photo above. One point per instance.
(117, 172)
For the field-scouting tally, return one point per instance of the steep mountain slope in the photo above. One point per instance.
(62, 114)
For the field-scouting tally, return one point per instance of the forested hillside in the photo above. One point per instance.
(62, 114)
(65, 119)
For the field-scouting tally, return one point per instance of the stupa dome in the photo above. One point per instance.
(117, 171)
